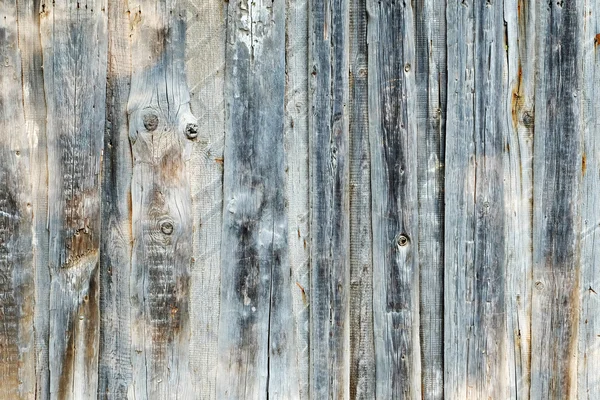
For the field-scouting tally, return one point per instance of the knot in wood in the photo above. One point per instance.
(150, 122)
(407, 67)
(528, 119)
(166, 228)
(403, 240)
(191, 131)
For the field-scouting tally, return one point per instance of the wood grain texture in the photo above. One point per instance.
(475, 256)
(297, 182)
(362, 352)
(393, 136)
(430, 86)
(160, 128)
(329, 201)
(34, 107)
(114, 365)
(205, 70)
(73, 37)
(17, 356)
(588, 381)
(256, 341)
(519, 16)
(556, 217)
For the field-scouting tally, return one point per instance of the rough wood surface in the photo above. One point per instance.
(337, 199)
(114, 368)
(73, 37)
(475, 260)
(556, 219)
(393, 136)
(256, 340)
(17, 350)
(362, 352)
(205, 70)
(161, 127)
(297, 188)
(329, 200)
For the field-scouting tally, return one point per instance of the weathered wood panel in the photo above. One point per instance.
(297, 184)
(205, 70)
(556, 217)
(475, 259)
(114, 368)
(349, 199)
(329, 201)
(73, 37)
(588, 357)
(393, 136)
(362, 351)
(17, 351)
(256, 341)
(160, 129)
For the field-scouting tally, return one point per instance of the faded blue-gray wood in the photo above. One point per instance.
(329, 200)
(256, 340)
(556, 218)
(74, 51)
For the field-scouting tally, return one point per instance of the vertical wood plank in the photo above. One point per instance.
(17, 357)
(114, 368)
(160, 128)
(34, 107)
(297, 183)
(329, 200)
(588, 382)
(74, 51)
(556, 219)
(256, 342)
(362, 352)
(393, 139)
(430, 85)
(205, 70)
(475, 259)
(519, 16)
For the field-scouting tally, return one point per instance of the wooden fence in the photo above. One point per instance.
(299, 199)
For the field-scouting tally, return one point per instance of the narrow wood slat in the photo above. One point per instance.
(256, 341)
(329, 200)
(73, 39)
(160, 128)
(475, 236)
(556, 218)
(17, 262)
(114, 365)
(361, 351)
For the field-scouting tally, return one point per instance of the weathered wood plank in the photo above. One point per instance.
(518, 190)
(256, 341)
(114, 368)
(329, 199)
(362, 352)
(431, 83)
(205, 70)
(475, 260)
(556, 217)
(160, 128)
(73, 37)
(393, 138)
(34, 107)
(588, 381)
(17, 351)
(297, 183)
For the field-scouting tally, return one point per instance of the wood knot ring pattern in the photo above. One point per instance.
(191, 130)
(150, 122)
(166, 228)
(403, 240)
